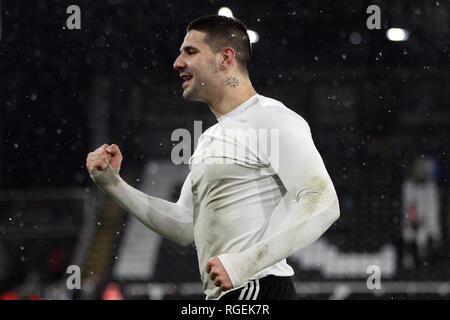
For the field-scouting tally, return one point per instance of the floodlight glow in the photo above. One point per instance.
(397, 34)
(253, 36)
(224, 11)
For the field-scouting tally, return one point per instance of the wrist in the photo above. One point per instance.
(108, 177)
(231, 264)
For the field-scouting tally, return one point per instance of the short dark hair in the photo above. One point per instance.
(224, 32)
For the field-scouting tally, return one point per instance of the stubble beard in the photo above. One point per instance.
(190, 93)
(197, 90)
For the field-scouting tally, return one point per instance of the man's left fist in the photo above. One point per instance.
(218, 274)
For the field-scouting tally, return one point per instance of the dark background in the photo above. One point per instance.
(373, 106)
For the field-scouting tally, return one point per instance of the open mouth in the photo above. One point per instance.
(187, 79)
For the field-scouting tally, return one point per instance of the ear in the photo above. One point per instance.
(228, 57)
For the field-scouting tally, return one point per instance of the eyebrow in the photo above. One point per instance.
(187, 48)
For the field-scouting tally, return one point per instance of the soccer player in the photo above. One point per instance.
(246, 209)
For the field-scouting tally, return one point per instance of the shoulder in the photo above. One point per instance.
(270, 113)
(209, 130)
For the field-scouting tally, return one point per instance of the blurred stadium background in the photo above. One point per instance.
(379, 111)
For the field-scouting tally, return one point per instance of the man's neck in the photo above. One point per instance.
(231, 98)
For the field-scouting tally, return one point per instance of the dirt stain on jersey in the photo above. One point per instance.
(262, 252)
(317, 190)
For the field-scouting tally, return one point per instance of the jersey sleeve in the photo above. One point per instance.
(186, 198)
(173, 221)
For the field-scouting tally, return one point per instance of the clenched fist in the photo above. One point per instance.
(218, 274)
(104, 156)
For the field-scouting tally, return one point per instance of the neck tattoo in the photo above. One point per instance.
(232, 82)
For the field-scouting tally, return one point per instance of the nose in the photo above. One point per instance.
(179, 63)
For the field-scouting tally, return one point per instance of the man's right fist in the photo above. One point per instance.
(102, 156)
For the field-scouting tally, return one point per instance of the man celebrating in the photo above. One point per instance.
(247, 210)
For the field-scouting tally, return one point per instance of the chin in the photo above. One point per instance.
(191, 96)
(187, 95)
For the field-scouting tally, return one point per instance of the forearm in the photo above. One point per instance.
(306, 222)
(170, 220)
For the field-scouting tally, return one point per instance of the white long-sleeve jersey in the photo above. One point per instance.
(257, 190)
